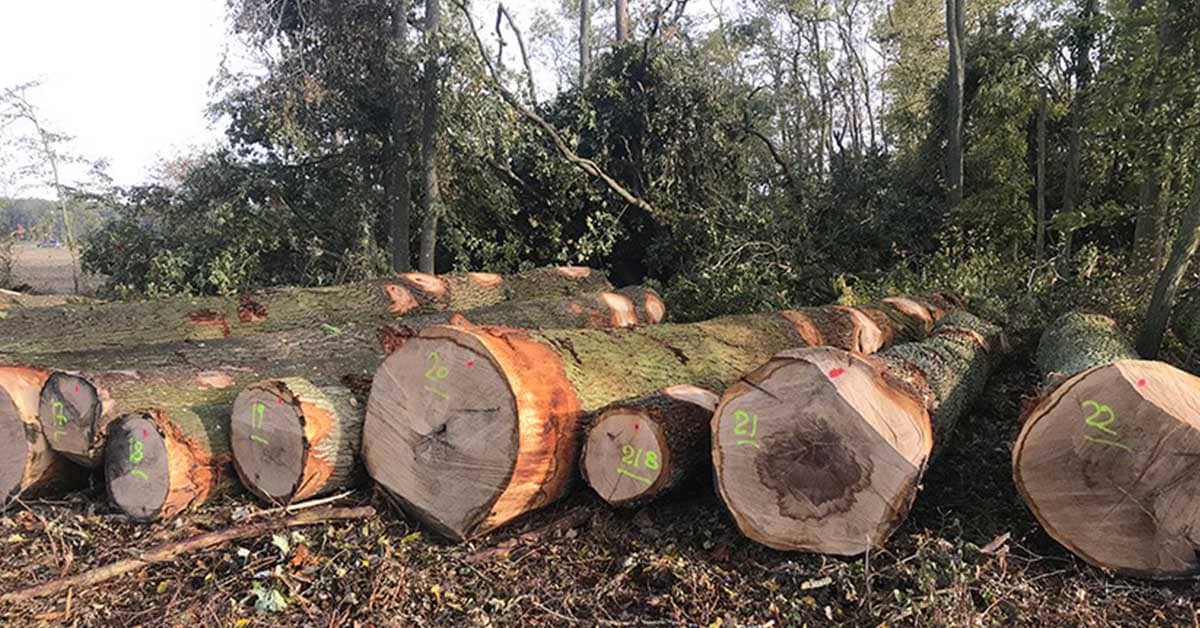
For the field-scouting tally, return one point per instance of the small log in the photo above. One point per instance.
(823, 450)
(639, 449)
(293, 440)
(490, 414)
(27, 465)
(82, 327)
(1105, 458)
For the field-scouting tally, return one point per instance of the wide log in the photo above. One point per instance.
(27, 465)
(81, 327)
(823, 450)
(1106, 456)
(490, 414)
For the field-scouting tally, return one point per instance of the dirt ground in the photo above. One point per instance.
(48, 271)
(969, 554)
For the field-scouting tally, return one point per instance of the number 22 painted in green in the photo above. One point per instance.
(1094, 420)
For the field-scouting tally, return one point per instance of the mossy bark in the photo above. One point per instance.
(1078, 341)
(80, 327)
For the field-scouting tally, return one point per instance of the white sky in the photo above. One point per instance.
(128, 78)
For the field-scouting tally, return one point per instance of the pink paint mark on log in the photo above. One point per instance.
(836, 372)
(279, 401)
(1141, 383)
(145, 433)
(470, 363)
(76, 387)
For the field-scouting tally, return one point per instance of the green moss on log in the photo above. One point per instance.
(1078, 341)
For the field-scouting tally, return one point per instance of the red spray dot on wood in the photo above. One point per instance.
(76, 387)
(635, 426)
(836, 372)
(279, 400)
(470, 362)
(1141, 382)
(144, 433)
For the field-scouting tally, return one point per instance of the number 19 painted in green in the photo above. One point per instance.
(256, 421)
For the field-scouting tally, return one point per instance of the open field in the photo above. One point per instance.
(48, 271)
(970, 554)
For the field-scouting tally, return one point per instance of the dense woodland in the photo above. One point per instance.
(1035, 154)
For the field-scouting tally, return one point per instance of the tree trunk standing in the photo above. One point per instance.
(1106, 456)
(585, 52)
(490, 414)
(955, 31)
(1040, 242)
(622, 20)
(823, 450)
(1167, 287)
(431, 197)
(396, 184)
(1084, 36)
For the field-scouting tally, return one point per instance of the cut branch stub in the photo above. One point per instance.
(639, 449)
(1106, 459)
(70, 410)
(822, 449)
(154, 470)
(292, 440)
(27, 464)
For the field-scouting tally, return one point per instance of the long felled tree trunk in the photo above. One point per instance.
(1106, 457)
(490, 415)
(823, 450)
(293, 439)
(27, 465)
(80, 327)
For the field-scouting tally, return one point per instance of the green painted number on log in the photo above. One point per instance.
(652, 460)
(436, 372)
(256, 421)
(59, 417)
(1095, 420)
(747, 425)
(639, 458)
(135, 451)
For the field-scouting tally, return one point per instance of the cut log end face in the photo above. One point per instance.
(14, 448)
(400, 300)
(625, 455)
(487, 280)
(429, 284)
(1109, 462)
(621, 308)
(816, 453)
(136, 467)
(441, 430)
(267, 438)
(656, 310)
(68, 410)
(574, 272)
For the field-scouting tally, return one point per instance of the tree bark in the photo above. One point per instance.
(585, 53)
(490, 414)
(1084, 36)
(1040, 242)
(955, 32)
(823, 450)
(396, 184)
(639, 449)
(1104, 458)
(80, 327)
(1149, 339)
(622, 20)
(293, 440)
(27, 464)
(431, 198)
(1185, 319)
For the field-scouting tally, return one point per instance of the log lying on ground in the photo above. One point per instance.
(639, 449)
(293, 440)
(489, 415)
(12, 300)
(76, 407)
(86, 327)
(1106, 458)
(823, 450)
(27, 465)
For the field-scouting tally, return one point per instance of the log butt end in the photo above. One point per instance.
(14, 448)
(267, 437)
(816, 452)
(136, 467)
(625, 455)
(1107, 464)
(69, 410)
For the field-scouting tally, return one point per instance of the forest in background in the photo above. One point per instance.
(771, 154)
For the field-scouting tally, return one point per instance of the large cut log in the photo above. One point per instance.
(27, 465)
(1106, 458)
(293, 440)
(641, 448)
(823, 450)
(77, 405)
(489, 415)
(84, 327)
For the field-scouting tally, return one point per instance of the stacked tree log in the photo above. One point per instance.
(490, 415)
(1106, 457)
(823, 450)
(27, 465)
(83, 327)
